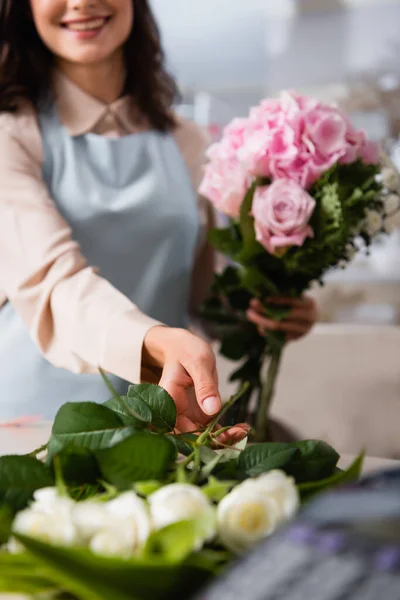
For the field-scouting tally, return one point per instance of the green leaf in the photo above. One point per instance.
(6, 519)
(146, 488)
(215, 489)
(141, 457)
(160, 402)
(78, 466)
(131, 411)
(183, 442)
(225, 241)
(177, 541)
(86, 425)
(227, 471)
(340, 478)
(257, 282)
(250, 245)
(22, 574)
(20, 476)
(78, 417)
(92, 577)
(260, 458)
(317, 460)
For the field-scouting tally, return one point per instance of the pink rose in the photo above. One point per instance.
(281, 214)
(225, 184)
(327, 129)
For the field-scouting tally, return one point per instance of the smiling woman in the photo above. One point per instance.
(38, 35)
(96, 169)
(103, 248)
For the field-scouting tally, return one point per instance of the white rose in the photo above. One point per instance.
(180, 502)
(89, 518)
(119, 539)
(48, 501)
(245, 516)
(130, 509)
(280, 487)
(254, 509)
(54, 528)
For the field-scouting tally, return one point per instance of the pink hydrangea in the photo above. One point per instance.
(293, 137)
(225, 184)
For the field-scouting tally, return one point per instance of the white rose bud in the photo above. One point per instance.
(180, 502)
(129, 508)
(54, 528)
(89, 518)
(255, 508)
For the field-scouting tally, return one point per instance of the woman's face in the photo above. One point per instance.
(84, 32)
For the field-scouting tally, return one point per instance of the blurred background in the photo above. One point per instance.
(342, 383)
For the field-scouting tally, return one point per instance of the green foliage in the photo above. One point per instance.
(309, 460)
(161, 404)
(90, 462)
(141, 457)
(20, 476)
(91, 577)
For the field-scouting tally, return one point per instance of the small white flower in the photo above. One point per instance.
(374, 222)
(130, 509)
(255, 508)
(180, 502)
(391, 178)
(117, 539)
(54, 528)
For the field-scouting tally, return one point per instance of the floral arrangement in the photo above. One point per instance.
(302, 188)
(118, 504)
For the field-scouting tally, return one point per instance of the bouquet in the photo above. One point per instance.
(301, 187)
(122, 506)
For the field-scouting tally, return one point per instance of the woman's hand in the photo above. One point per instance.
(301, 318)
(189, 375)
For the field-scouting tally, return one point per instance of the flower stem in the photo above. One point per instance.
(266, 396)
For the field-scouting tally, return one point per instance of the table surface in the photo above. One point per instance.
(22, 440)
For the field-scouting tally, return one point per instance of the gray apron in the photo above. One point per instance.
(132, 208)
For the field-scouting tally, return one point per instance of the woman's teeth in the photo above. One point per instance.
(86, 25)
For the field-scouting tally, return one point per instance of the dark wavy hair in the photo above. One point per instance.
(26, 64)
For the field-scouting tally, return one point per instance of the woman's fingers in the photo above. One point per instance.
(234, 435)
(203, 373)
(305, 302)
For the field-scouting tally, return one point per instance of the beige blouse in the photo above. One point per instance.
(42, 270)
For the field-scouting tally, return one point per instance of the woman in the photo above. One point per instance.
(102, 237)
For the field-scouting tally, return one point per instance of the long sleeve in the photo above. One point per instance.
(76, 318)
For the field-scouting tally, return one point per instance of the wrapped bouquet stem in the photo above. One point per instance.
(303, 190)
